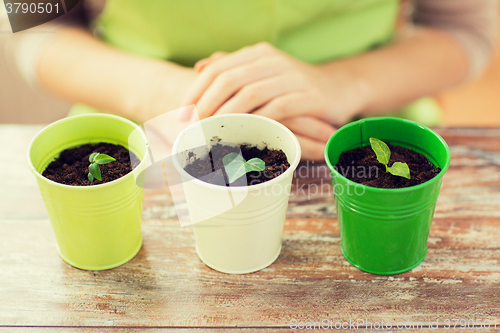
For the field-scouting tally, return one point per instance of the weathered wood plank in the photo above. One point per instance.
(167, 286)
(422, 328)
(141, 330)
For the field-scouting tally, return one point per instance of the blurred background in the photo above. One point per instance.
(473, 104)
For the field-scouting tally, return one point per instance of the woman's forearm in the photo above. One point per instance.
(388, 78)
(82, 69)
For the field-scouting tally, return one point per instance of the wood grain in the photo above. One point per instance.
(167, 286)
(424, 329)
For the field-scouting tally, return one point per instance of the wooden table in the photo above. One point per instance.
(166, 286)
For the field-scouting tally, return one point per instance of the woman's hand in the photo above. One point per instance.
(265, 81)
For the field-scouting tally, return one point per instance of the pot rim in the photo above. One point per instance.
(391, 190)
(291, 169)
(93, 187)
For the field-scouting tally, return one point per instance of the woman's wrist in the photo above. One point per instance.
(348, 93)
(109, 79)
(159, 88)
(392, 76)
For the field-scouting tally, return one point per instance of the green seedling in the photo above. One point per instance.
(383, 154)
(95, 159)
(236, 166)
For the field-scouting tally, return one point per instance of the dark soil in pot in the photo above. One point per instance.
(71, 168)
(361, 166)
(210, 168)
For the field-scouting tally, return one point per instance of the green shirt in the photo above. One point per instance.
(314, 31)
(185, 31)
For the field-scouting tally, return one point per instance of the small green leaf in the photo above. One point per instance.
(230, 157)
(234, 164)
(95, 171)
(255, 164)
(92, 157)
(381, 150)
(90, 177)
(400, 169)
(104, 159)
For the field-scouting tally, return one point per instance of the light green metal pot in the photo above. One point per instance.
(385, 231)
(97, 227)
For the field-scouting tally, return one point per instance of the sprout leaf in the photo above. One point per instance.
(384, 154)
(95, 171)
(235, 166)
(381, 150)
(92, 157)
(104, 159)
(399, 169)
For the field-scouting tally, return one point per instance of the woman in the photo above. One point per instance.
(311, 65)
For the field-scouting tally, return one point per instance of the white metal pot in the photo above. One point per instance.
(237, 229)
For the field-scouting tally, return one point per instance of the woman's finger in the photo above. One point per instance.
(232, 60)
(230, 82)
(310, 127)
(296, 104)
(258, 93)
(311, 149)
(186, 113)
(201, 64)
